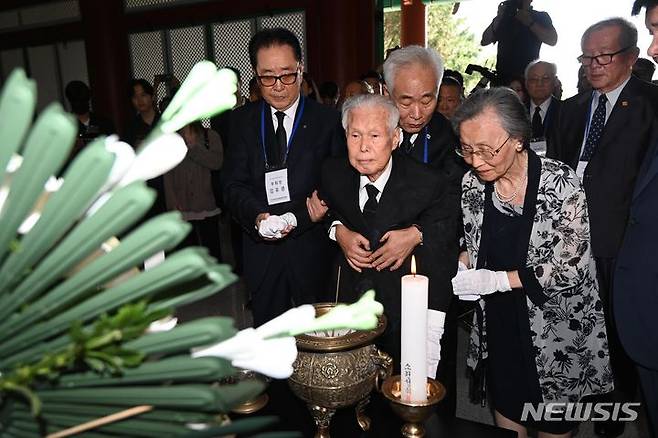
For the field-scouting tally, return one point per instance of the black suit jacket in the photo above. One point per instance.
(414, 194)
(635, 291)
(610, 175)
(307, 248)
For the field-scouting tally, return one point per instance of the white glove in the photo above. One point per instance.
(435, 323)
(480, 281)
(466, 297)
(273, 226)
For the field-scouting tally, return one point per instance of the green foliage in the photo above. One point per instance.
(98, 348)
(456, 43)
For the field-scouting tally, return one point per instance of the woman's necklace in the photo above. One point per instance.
(508, 199)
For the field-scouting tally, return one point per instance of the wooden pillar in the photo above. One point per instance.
(413, 23)
(341, 37)
(108, 58)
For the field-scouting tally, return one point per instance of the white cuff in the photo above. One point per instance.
(332, 229)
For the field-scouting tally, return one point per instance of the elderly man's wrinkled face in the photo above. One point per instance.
(540, 83)
(414, 93)
(369, 141)
(605, 78)
(651, 21)
(279, 60)
(492, 150)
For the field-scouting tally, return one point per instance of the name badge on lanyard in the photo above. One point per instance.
(276, 180)
(276, 186)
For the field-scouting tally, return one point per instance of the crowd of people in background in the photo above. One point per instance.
(515, 199)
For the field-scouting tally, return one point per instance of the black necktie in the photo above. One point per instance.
(281, 138)
(595, 130)
(537, 124)
(406, 145)
(369, 213)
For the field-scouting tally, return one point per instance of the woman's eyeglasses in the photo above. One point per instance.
(485, 153)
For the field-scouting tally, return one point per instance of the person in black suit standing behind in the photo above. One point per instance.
(275, 149)
(540, 80)
(635, 291)
(604, 135)
(384, 207)
(413, 76)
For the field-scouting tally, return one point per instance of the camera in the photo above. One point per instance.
(511, 7)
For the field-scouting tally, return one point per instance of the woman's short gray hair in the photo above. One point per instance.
(505, 103)
(371, 100)
(424, 56)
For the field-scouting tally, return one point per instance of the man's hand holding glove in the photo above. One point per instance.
(435, 323)
(479, 282)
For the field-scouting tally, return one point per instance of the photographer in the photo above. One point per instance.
(520, 32)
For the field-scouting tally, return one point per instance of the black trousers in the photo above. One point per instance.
(274, 295)
(447, 370)
(623, 368)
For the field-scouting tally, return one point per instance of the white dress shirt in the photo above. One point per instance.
(543, 109)
(612, 96)
(288, 120)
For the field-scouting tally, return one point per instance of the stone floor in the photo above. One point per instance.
(232, 302)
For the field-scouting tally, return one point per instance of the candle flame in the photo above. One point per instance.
(413, 264)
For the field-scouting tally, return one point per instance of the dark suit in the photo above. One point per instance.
(551, 114)
(414, 194)
(610, 175)
(635, 291)
(609, 180)
(291, 270)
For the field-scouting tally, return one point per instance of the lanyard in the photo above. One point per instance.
(425, 149)
(298, 117)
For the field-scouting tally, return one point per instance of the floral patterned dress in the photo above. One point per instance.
(565, 314)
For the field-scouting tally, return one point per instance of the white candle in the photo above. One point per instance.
(413, 367)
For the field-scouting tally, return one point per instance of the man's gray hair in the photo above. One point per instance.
(410, 55)
(505, 103)
(627, 31)
(372, 101)
(551, 67)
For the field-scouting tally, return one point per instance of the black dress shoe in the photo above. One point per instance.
(608, 429)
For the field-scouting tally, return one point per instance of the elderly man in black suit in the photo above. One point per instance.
(275, 148)
(384, 208)
(635, 291)
(540, 81)
(604, 134)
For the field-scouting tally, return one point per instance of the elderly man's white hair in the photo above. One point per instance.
(552, 67)
(412, 55)
(371, 101)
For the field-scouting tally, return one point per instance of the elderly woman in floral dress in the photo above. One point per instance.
(528, 262)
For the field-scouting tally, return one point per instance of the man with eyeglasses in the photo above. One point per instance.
(276, 146)
(604, 134)
(540, 81)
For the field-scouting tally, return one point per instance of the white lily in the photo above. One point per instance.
(215, 95)
(298, 316)
(249, 350)
(124, 156)
(157, 157)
